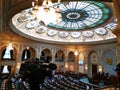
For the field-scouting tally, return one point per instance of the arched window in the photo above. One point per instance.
(26, 54)
(5, 69)
(59, 56)
(46, 56)
(71, 57)
(7, 54)
(42, 57)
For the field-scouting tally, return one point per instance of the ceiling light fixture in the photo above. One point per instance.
(47, 12)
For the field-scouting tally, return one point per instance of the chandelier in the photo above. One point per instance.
(47, 12)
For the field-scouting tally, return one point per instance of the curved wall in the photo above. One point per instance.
(103, 51)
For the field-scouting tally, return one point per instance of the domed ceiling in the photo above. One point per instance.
(74, 22)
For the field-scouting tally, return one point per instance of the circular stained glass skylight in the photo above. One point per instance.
(82, 15)
(81, 22)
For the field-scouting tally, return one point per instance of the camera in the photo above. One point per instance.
(33, 71)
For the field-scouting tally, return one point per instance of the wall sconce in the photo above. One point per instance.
(100, 68)
(66, 65)
(86, 67)
(28, 48)
(76, 52)
(10, 47)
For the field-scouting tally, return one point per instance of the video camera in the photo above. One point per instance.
(33, 71)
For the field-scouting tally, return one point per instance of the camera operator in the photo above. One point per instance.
(118, 73)
(34, 72)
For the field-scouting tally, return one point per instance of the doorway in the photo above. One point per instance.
(94, 69)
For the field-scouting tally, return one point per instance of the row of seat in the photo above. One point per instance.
(60, 81)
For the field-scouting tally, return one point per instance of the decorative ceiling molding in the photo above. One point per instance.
(32, 29)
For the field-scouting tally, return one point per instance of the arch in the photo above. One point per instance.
(6, 70)
(28, 53)
(12, 58)
(60, 56)
(81, 59)
(46, 55)
(93, 57)
(92, 63)
(8, 54)
(108, 61)
(71, 57)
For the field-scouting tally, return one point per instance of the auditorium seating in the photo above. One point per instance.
(60, 81)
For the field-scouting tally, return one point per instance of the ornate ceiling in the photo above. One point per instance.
(81, 22)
